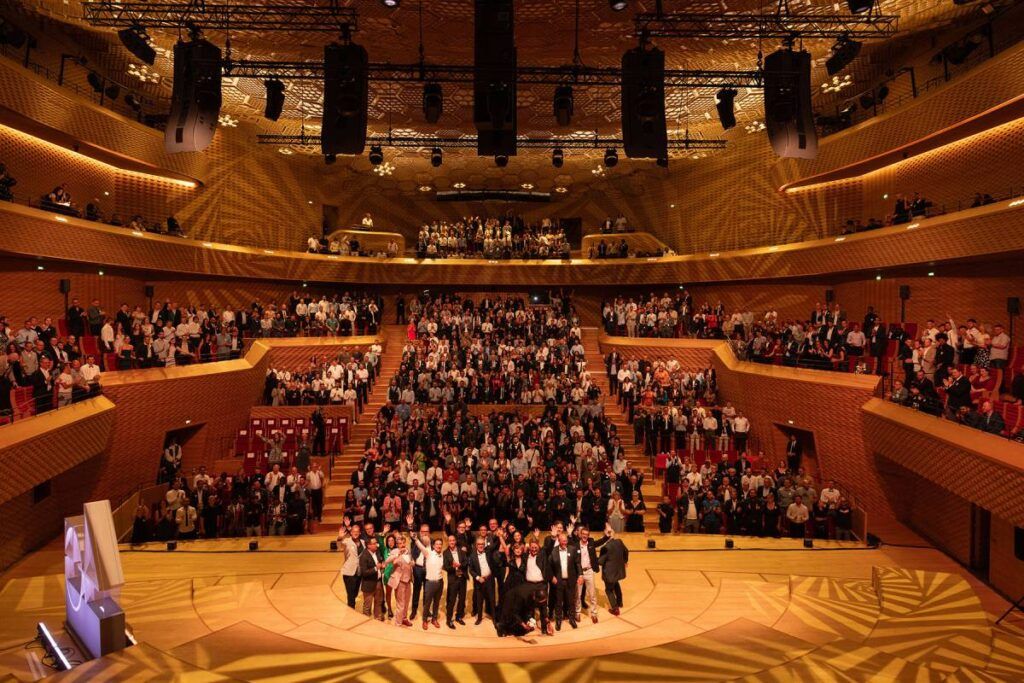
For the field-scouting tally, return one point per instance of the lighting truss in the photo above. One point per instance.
(779, 26)
(312, 15)
(469, 142)
(526, 75)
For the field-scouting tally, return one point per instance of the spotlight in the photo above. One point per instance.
(617, 5)
(172, 545)
(848, 109)
(611, 157)
(254, 546)
(137, 42)
(501, 160)
(132, 100)
(663, 162)
(808, 542)
(275, 99)
(883, 92)
(651, 544)
(433, 102)
(436, 157)
(563, 105)
(330, 159)
(376, 155)
(724, 102)
(391, 4)
(334, 546)
(843, 52)
(860, 6)
(728, 544)
(112, 91)
(557, 157)
(867, 100)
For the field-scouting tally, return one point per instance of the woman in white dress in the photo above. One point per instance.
(616, 512)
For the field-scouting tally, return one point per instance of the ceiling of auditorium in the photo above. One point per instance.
(544, 36)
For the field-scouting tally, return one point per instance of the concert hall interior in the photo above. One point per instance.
(511, 340)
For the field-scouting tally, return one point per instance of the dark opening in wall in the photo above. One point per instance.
(42, 491)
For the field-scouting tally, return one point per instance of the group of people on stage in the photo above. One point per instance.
(521, 582)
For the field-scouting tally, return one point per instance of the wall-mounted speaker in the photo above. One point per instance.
(1013, 305)
(65, 286)
(830, 296)
(149, 290)
(787, 104)
(904, 292)
(195, 98)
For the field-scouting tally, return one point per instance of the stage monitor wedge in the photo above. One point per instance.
(787, 104)
(195, 97)
(346, 98)
(644, 131)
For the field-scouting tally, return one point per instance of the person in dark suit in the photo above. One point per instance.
(958, 391)
(613, 561)
(455, 562)
(793, 452)
(518, 608)
(370, 566)
(484, 565)
(319, 431)
(987, 420)
(566, 577)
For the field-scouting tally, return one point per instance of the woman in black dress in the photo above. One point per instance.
(771, 518)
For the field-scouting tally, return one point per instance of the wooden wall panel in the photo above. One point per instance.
(1006, 570)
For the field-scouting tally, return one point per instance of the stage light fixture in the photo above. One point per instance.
(860, 6)
(557, 157)
(376, 155)
(132, 100)
(334, 546)
(436, 157)
(172, 545)
(617, 5)
(729, 544)
(501, 160)
(95, 81)
(808, 542)
(651, 544)
(867, 100)
(843, 52)
(112, 91)
(136, 40)
(330, 159)
(725, 103)
(254, 546)
(611, 157)
(563, 105)
(882, 93)
(663, 162)
(433, 102)
(275, 99)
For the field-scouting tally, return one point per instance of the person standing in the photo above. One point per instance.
(587, 550)
(319, 425)
(352, 545)
(370, 566)
(455, 560)
(433, 565)
(613, 562)
(797, 514)
(315, 483)
(401, 580)
(483, 565)
(566, 577)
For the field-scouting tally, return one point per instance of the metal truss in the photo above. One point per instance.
(525, 75)
(469, 142)
(313, 15)
(780, 26)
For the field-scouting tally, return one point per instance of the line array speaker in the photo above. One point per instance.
(346, 97)
(644, 132)
(65, 286)
(787, 104)
(494, 79)
(195, 97)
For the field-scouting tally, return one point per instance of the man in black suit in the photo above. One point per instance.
(613, 560)
(370, 566)
(455, 560)
(484, 565)
(944, 355)
(793, 452)
(958, 391)
(566, 577)
(987, 420)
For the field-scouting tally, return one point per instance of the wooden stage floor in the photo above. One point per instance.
(767, 610)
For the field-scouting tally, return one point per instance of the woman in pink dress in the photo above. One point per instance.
(401, 580)
(410, 331)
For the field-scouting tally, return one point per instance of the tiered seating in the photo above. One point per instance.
(249, 444)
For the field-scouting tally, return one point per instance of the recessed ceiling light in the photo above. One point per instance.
(459, 186)
(561, 190)
(425, 188)
(287, 151)
(527, 186)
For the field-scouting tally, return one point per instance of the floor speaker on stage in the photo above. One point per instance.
(787, 104)
(195, 98)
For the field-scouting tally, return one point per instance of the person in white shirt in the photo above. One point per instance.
(433, 564)
(830, 495)
(999, 354)
(186, 518)
(315, 483)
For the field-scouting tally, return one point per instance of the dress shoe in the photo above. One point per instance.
(436, 623)
(572, 622)
(479, 620)
(594, 618)
(558, 625)
(406, 622)
(614, 611)
(450, 625)
(460, 622)
(425, 624)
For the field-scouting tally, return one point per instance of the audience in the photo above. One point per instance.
(492, 238)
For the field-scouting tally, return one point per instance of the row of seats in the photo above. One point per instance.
(249, 444)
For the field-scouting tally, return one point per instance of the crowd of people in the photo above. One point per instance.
(497, 350)
(344, 379)
(203, 506)
(491, 238)
(349, 246)
(904, 210)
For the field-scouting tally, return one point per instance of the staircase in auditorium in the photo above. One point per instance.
(395, 339)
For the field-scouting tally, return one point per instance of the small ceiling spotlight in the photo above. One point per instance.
(611, 157)
(501, 160)
(376, 155)
(617, 5)
(436, 157)
(557, 157)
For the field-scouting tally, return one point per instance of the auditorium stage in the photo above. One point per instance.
(768, 610)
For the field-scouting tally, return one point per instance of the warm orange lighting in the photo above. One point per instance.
(78, 156)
